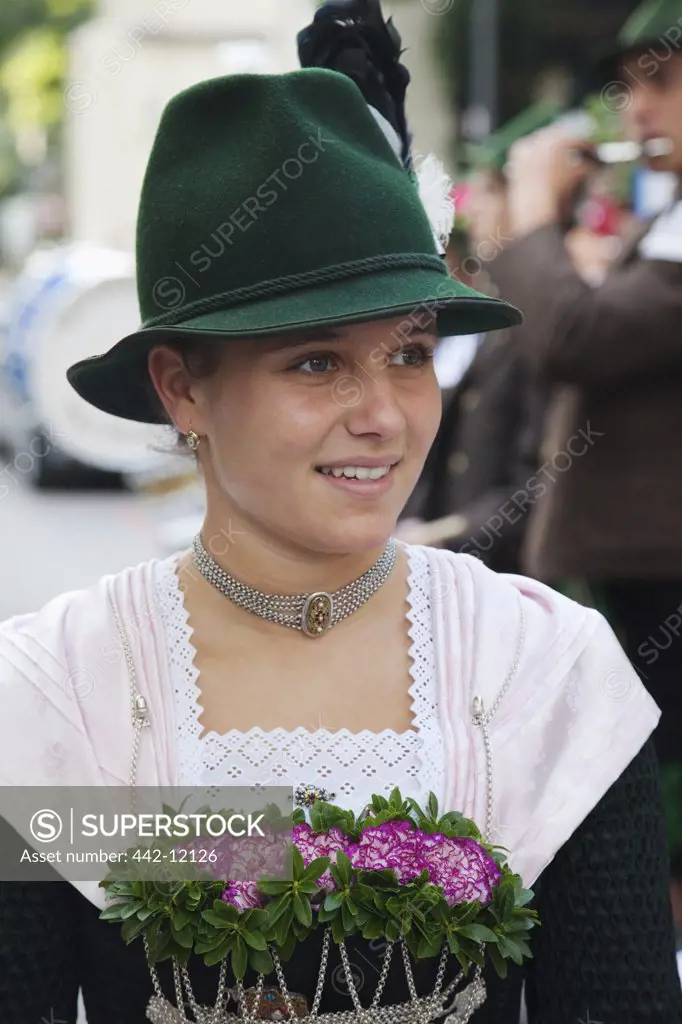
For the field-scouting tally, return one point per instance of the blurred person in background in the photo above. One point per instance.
(608, 526)
(487, 445)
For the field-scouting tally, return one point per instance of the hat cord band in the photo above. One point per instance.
(262, 290)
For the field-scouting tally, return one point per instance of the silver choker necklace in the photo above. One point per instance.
(313, 614)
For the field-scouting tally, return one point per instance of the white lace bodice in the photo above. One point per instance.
(351, 765)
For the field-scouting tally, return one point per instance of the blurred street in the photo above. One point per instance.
(66, 540)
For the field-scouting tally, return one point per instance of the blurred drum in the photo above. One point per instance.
(69, 303)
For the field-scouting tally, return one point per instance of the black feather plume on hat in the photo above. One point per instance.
(351, 37)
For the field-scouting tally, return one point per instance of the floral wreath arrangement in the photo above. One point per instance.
(399, 874)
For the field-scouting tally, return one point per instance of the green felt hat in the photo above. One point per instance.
(493, 152)
(270, 204)
(653, 22)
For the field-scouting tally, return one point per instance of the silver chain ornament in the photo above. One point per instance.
(312, 614)
(419, 1010)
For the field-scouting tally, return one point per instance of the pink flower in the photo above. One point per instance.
(461, 866)
(394, 844)
(312, 845)
(239, 857)
(242, 895)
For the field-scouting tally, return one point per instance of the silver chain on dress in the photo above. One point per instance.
(459, 1006)
(314, 613)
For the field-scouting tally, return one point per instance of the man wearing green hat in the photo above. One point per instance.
(487, 445)
(613, 358)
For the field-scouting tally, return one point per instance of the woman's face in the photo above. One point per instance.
(317, 440)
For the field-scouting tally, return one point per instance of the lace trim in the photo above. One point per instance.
(425, 715)
(417, 753)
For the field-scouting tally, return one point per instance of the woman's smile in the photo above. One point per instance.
(363, 479)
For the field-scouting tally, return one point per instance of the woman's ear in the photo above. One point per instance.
(175, 387)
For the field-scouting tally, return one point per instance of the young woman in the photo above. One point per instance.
(292, 294)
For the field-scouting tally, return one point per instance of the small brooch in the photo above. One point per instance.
(306, 794)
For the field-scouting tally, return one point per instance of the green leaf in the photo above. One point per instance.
(523, 897)
(181, 917)
(215, 956)
(298, 864)
(275, 888)
(227, 910)
(316, 868)
(338, 931)
(344, 868)
(464, 961)
(428, 947)
(254, 939)
(286, 949)
(362, 892)
(518, 925)
(394, 905)
(153, 932)
(510, 948)
(332, 900)
(130, 909)
(310, 888)
(373, 928)
(479, 933)
(240, 959)
(472, 951)
(182, 954)
(524, 948)
(383, 879)
(254, 920)
(184, 937)
(218, 920)
(347, 918)
(504, 901)
(283, 926)
(203, 945)
(278, 907)
(131, 929)
(113, 913)
(299, 930)
(498, 961)
(468, 912)
(261, 961)
(303, 910)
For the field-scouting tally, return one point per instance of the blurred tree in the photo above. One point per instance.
(33, 64)
(31, 76)
(19, 16)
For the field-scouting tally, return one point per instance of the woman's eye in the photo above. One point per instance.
(415, 355)
(315, 364)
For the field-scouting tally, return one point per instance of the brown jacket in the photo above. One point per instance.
(608, 502)
(485, 451)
